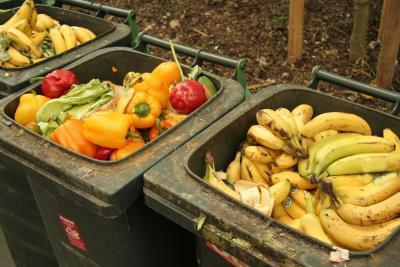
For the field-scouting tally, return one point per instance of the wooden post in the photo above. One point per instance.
(390, 45)
(383, 21)
(358, 40)
(296, 23)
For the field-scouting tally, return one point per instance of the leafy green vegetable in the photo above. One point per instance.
(81, 99)
(195, 72)
(47, 49)
(47, 128)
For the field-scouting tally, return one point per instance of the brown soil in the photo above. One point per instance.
(256, 31)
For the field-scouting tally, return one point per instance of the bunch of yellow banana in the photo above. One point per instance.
(349, 182)
(33, 37)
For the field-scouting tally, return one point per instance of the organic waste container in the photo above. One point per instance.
(107, 34)
(93, 210)
(19, 215)
(231, 233)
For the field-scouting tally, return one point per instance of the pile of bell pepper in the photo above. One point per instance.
(105, 121)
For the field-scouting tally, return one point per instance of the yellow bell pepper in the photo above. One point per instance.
(107, 128)
(145, 110)
(154, 86)
(132, 145)
(29, 105)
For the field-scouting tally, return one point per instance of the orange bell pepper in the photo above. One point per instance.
(70, 135)
(145, 109)
(132, 145)
(168, 72)
(154, 86)
(29, 105)
(107, 128)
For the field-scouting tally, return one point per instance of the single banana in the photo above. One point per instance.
(58, 41)
(47, 20)
(310, 223)
(301, 115)
(350, 237)
(7, 64)
(280, 191)
(285, 161)
(381, 188)
(263, 170)
(364, 163)
(293, 209)
(24, 12)
(81, 35)
(20, 38)
(351, 180)
(233, 170)
(261, 135)
(40, 26)
(376, 213)
(294, 223)
(279, 211)
(33, 19)
(249, 172)
(324, 134)
(388, 134)
(89, 33)
(38, 37)
(260, 154)
(298, 196)
(340, 121)
(306, 166)
(294, 178)
(16, 58)
(69, 36)
(349, 146)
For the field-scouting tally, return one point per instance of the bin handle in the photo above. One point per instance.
(199, 56)
(102, 10)
(319, 74)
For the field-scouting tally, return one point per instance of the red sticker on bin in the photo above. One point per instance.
(228, 257)
(72, 232)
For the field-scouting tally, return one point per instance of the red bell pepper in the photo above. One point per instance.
(58, 83)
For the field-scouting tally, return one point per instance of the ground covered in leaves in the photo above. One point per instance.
(257, 31)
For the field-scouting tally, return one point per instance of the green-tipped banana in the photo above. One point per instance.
(364, 163)
(335, 150)
(233, 170)
(306, 166)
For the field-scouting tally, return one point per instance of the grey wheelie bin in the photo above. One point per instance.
(93, 210)
(229, 233)
(19, 214)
